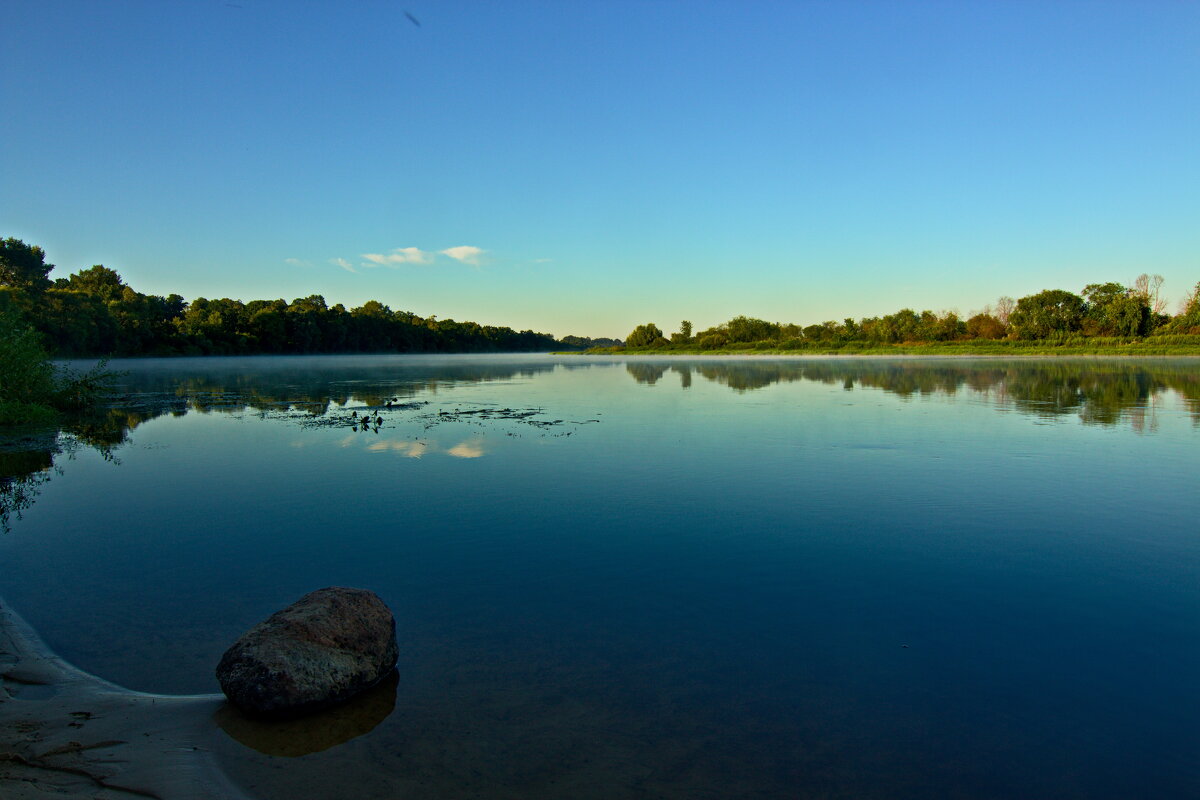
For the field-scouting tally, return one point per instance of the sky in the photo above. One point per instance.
(582, 168)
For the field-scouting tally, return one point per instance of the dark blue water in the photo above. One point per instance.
(729, 578)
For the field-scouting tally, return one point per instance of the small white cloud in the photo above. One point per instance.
(464, 253)
(297, 262)
(401, 255)
(467, 449)
(343, 263)
(542, 260)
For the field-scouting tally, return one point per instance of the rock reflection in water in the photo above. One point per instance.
(314, 733)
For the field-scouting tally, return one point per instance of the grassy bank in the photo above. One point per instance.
(1170, 345)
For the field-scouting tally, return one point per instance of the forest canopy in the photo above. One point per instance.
(1109, 313)
(93, 312)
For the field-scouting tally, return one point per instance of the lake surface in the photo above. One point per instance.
(640, 578)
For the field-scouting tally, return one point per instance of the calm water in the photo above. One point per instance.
(657, 579)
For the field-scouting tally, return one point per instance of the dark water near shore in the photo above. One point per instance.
(763, 578)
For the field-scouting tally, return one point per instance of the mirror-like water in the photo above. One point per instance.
(655, 578)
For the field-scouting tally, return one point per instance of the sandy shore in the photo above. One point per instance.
(65, 733)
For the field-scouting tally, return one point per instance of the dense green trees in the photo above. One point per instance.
(684, 336)
(93, 312)
(1044, 315)
(1188, 321)
(26, 374)
(749, 329)
(99, 281)
(32, 389)
(23, 266)
(584, 342)
(647, 335)
(1113, 310)
(1103, 310)
(985, 325)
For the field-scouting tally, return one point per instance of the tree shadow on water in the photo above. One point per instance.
(31, 457)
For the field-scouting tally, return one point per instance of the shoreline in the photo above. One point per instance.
(66, 733)
(901, 351)
(825, 355)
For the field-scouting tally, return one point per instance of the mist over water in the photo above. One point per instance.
(656, 577)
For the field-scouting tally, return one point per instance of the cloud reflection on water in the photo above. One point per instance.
(316, 392)
(472, 448)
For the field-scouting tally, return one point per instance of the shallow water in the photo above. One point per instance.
(659, 578)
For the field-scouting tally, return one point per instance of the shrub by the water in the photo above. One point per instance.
(27, 386)
(32, 390)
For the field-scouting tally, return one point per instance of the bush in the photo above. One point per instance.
(26, 374)
(32, 391)
(14, 413)
(644, 336)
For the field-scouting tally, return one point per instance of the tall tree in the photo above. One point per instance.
(1150, 288)
(99, 280)
(1047, 314)
(985, 326)
(1004, 309)
(1113, 310)
(644, 336)
(685, 333)
(24, 266)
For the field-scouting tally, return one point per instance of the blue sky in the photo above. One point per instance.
(585, 167)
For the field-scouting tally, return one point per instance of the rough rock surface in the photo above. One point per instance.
(320, 650)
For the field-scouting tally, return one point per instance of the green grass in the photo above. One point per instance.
(1166, 345)
(13, 412)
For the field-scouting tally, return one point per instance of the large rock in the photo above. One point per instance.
(320, 650)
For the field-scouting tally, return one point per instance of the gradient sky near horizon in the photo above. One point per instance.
(585, 167)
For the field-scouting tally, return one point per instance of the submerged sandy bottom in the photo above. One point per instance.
(65, 733)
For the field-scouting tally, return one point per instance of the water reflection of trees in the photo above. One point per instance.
(149, 390)
(30, 458)
(311, 384)
(646, 372)
(1098, 392)
(24, 467)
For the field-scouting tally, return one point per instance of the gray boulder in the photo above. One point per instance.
(324, 648)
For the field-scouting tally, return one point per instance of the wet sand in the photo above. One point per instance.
(65, 733)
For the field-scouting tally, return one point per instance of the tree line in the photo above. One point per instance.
(1101, 311)
(93, 312)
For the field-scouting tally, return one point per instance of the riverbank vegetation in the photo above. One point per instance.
(33, 390)
(1105, 319)
(93, 312)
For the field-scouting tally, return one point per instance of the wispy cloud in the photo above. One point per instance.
(297, 262)
(404, 448)
(464, 253)
(401, 255)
